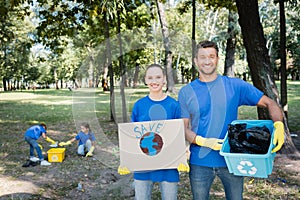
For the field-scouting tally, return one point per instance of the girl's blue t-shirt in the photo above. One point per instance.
(82, 137)
(211, 107)
(146, 109)
(35, 132)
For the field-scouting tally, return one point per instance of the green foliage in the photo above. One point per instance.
(15, 43)
(67, 29)
(229, 4)
(293, 39)
(293, 111)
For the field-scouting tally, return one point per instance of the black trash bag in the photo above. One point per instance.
(255, 140)
(235, 138)
(30, 163)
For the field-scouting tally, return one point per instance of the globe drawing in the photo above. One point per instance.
(151, 143)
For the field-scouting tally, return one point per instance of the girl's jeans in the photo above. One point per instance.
(201, 179)
(84, 147)
(143, 190)
(34, 145)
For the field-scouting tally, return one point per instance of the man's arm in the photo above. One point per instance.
(273, 108)
(277, 117)
(48, 139)
(189, 134)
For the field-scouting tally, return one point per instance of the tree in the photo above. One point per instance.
(194, 71)
(258, 59)
(110, 68)
(168, 52)
(121, 64)
(14, 42)
(231, 44)
(283, 76)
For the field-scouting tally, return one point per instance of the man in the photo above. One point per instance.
(208, 105)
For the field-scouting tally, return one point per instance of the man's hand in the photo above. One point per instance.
(48, 139)
(54, 145)
(65, 143)
(41, 147)
(278, 136)
(213, 143)
(123, 170)
(90, 153)
(183, 168)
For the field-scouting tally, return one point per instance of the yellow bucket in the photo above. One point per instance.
(56, 154)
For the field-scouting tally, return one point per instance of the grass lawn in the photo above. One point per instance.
(64, 110)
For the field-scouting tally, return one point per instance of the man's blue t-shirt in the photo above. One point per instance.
(211, 106)
(146, 109)
(35, 132)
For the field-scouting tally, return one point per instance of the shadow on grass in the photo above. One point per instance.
(23, 196)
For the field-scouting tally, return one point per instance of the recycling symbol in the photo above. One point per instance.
(246, 167)
(54, 157)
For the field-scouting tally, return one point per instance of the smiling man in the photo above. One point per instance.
(208, 105)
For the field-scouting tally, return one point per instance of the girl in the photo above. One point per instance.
(156, 106)
(85, 140)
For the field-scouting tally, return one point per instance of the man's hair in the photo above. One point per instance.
(44, 125)
(206, 44)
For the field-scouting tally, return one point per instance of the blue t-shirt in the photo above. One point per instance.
(35, 132)
(210, 107)
(146, 109)
(82, 137)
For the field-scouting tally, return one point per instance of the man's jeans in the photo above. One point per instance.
(201, 179)
(34, 145)
(143, 190)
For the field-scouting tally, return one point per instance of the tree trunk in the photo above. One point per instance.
(168, 53)
(213, 26)
(259, 60)
(105, 75)
(91, 68)
(55, 78)
(122, 70)
(283, 77)
(136, 75)
(4, 84)
(110, 68)
(61, 83)
(194, 70)
(230, 47)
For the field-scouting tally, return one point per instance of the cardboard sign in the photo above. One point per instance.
(152, 145)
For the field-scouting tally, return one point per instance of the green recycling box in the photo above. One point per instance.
(254, 165)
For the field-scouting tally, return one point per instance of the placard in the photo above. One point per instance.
(152, 145)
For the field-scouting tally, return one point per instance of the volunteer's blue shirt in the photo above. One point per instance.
(210, 107)
(146, 109)
(82, 137)
(35, 132)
